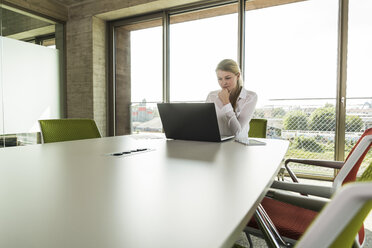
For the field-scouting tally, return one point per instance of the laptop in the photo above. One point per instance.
(190, 121)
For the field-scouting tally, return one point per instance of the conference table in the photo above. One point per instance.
(132, 191)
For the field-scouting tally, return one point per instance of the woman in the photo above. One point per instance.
(234, 104)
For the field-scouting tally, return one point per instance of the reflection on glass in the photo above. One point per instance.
(359, 78)
(27, 27)
(198, 42)
(29, 75)
(291, 63)
(48, 42)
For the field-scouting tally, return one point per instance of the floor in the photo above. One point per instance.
(242, 242)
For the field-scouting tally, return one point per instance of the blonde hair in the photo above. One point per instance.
(233, 67)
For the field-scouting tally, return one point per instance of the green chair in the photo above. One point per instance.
(257, 128)
(57, 130)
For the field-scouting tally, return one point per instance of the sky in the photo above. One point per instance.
(291, 52)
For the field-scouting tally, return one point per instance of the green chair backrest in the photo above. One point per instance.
(347, 236)
(257, 128)
(57, 130)
(367, 174)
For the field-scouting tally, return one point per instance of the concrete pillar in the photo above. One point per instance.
(86, 70)
(122, 81)
(99, 73)
(60, 45)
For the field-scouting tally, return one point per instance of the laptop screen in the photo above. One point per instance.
(190, 121)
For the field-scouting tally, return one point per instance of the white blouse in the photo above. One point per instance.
(234, 123)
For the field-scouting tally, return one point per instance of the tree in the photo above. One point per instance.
(278, 112)
(323, 119)
(308, 144)
(354, 123)
(259, 113)
(295, 120)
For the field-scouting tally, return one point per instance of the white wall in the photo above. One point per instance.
(31, 85)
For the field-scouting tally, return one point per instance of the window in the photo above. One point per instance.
(359, 62)
(146, 78)
(291, 63)
(146, 64)
(198, 42)
(138, 75)
(290, 60)
(139, 62)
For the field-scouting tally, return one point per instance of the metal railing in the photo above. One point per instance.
(308, 123)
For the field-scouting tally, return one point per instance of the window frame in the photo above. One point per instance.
(165, 16)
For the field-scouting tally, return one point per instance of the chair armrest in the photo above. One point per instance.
(316, 162)
(305, 189)
(311, 203)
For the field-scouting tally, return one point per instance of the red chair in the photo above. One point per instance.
(348, 170)
(291, 218)
(353, 202)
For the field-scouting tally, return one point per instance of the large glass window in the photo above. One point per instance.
(198, 41)
(146, 64)
(291, 63)
(139, 81)
(146, 78)
(359, 78)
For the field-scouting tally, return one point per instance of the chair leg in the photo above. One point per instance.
(249, 239)
(264, 227)
(280, 174)
(272, 226)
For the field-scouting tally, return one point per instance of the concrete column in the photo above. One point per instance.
(122, 81)
(86, 70)
(79, 67)
(60, 45)
(99, 74)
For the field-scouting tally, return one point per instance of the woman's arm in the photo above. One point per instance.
(238, 122)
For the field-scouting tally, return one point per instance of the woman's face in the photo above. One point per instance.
(227, 80)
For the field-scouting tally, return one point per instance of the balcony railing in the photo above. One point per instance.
(309, 124)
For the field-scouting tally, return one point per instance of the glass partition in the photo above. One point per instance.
(31, 78)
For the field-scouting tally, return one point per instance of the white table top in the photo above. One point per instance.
(181, 194)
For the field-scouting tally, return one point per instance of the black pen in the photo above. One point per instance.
(129, 152)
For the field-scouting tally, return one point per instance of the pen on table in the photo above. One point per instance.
(129, 152)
